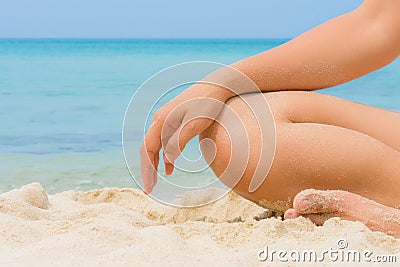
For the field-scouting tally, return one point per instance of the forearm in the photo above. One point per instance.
(333, 53)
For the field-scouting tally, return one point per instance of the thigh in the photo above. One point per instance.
(317, 146)
(311, 107)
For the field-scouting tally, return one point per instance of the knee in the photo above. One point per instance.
(215, 142)
(232, 144)
(225, 129)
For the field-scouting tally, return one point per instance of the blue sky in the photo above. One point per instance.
(166, 19)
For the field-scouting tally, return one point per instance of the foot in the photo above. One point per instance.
(319, 206)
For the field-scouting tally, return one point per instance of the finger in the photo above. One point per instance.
(169, 167)
(149, 172)
(149, 155)
(174, 146)
(178, 141)
(170, 126)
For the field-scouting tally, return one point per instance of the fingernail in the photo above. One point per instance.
(146, 190)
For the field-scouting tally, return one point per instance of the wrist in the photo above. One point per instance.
(208, 89)
(229, 81)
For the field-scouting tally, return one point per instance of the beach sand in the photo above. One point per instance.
(124, 227)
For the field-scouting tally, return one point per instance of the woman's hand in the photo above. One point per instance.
(175, 124)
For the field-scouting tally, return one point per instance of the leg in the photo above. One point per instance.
(322, 142)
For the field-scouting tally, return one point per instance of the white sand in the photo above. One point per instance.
(124, 227)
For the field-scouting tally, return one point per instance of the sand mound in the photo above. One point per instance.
(33, 194)
(124, 227)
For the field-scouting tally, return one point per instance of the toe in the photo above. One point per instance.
(317, 201)
(290, 214)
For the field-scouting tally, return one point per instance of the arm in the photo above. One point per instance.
(335, 52)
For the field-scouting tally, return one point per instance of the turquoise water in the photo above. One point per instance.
(62, 102)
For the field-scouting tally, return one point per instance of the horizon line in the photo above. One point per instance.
(146, 38)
